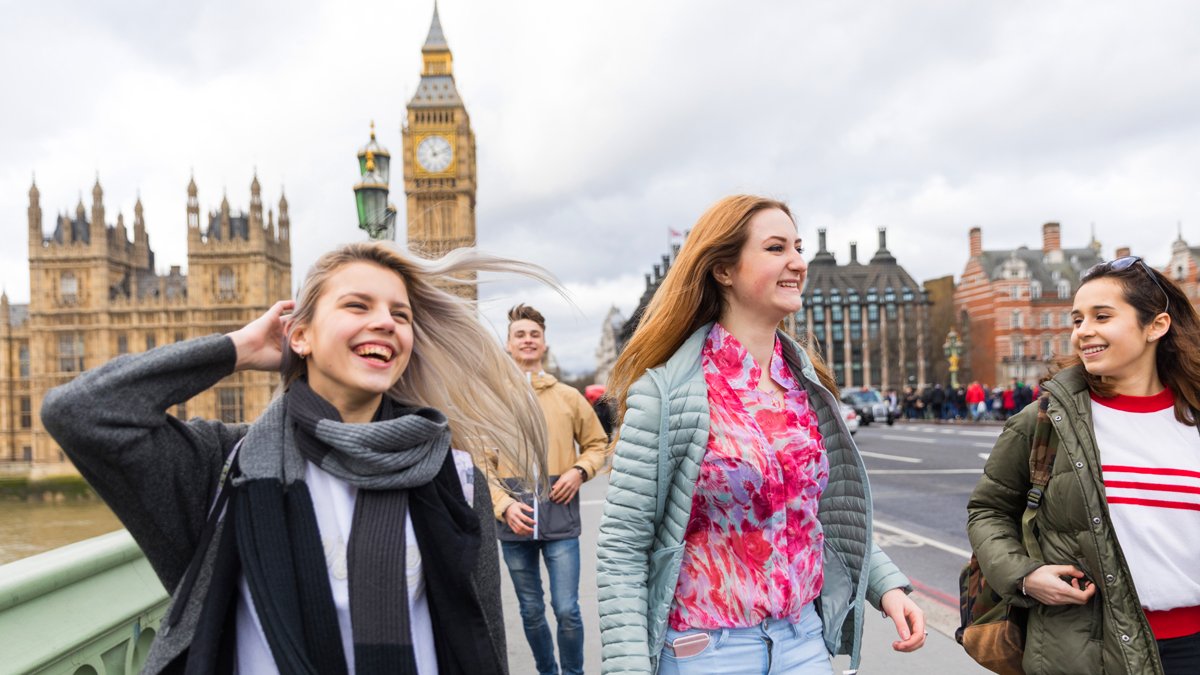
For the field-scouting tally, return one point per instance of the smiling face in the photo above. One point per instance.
(1109, 338)
(768, 279)
(526, 344)
(359, 340)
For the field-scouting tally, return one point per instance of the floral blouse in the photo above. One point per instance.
(753, 546)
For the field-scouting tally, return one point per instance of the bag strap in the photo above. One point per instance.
(1044, 446)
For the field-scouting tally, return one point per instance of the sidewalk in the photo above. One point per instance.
(941, 655)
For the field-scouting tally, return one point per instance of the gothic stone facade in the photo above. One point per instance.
(95, 295)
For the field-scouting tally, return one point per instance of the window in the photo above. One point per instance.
(838, 333)
(229, 404)
(226, 284)
(70, 352)
(1018, 349)
(122, 344)
(179, 336)
(873, 313)
(151, 341)
(27, 453)
(1045, 319)
(1016, 319)
(1047, 350)
(26, 413)
(1035, 289)
(1064, 289)
(68, 287)
(819, 314)
(1014, 292)
(856, 314)
(835, 313)
(23, 359)
(1065, 320)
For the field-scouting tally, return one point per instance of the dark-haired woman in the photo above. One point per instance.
(1117, 590)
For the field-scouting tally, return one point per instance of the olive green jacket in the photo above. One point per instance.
(1110, 634)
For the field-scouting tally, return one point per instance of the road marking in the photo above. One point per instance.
(890, 472)
(894, 458)
(983, 445)
(908, 439)
(924, 540)
(985, 455)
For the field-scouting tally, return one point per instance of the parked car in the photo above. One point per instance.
(851, 416)
(870, 405)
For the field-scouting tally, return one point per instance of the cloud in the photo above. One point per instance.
(602, 124)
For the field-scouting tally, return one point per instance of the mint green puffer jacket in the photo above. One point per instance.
(641, 540)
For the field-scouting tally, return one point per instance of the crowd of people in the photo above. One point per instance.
(976, 402)
(357, 525)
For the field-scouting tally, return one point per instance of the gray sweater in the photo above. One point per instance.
(160, 475)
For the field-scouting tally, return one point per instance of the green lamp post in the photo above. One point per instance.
(376, 216)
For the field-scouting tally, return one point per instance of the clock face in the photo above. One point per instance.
(434, 154)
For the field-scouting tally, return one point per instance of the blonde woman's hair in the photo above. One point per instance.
(457, 366)
(690, 297)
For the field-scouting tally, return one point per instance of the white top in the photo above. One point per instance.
(333, 502)
(1151, 466)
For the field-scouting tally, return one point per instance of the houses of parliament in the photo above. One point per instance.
(96, 294)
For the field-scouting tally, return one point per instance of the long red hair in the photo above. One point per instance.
(690, 297)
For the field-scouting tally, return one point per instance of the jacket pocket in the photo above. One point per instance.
(660, 592)
(1059, 639)
(836, 600)
(558, 521)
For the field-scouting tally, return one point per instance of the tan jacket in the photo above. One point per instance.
(570, 421)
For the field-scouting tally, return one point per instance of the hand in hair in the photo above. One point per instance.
(259, 343)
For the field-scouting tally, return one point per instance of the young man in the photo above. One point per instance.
(577, 449)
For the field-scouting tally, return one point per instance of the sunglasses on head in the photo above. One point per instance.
(1125, 262)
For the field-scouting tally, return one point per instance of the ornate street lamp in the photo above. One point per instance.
(952, 347)
(375, 216)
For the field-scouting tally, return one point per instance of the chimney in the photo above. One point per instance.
(1051, 240)
(853, 252)
(1122, 252)
(976, 241)
(821, 240)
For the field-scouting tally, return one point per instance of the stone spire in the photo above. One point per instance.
(98, 203)
(285, 222)
(436, 40)
(35, 215)
(256, 206)
(193, 206)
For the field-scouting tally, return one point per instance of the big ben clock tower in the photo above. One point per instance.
(439, 159)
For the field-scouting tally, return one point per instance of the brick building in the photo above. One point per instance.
(1014, 306)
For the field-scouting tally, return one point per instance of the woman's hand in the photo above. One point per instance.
(1046, 585)
(260, 342)
(909, 620)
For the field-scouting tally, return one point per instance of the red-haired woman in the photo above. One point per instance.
(736, 535)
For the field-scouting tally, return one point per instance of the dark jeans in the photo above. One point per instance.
(562, 564)
(1181, 655)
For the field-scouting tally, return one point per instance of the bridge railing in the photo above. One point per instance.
(88, 608)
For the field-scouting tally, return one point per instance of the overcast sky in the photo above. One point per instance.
(600, 124)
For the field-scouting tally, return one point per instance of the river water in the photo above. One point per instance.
(32, 525)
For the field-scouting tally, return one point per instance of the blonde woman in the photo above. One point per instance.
(736, 535)
(348, 536)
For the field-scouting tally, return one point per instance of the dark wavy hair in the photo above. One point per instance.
(1177, 357)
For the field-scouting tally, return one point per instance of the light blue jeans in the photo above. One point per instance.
(562, 563)
(773, 647)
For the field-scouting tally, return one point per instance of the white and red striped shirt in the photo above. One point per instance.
(1151, 466)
